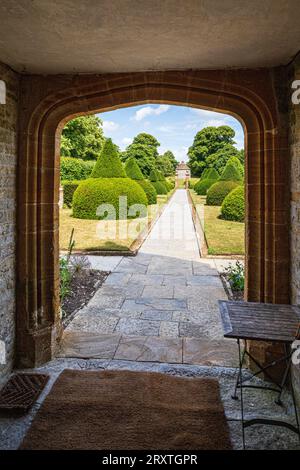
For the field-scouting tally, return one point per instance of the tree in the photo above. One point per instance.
(207, 142)
(220, 159)
(82, 137)
(166, 163)
(144, 150)
(108, 164)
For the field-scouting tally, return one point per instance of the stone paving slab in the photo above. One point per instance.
(210, 352)
(153, 349)
(83, 345)
(104, 263)
(117, 279)
(138, 327)
(169, 329)
(162, 315)
(92, 323)
(162, 292)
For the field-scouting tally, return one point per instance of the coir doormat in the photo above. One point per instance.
(21, 391)
(129, 410)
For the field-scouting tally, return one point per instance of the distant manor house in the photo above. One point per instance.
(183, 171)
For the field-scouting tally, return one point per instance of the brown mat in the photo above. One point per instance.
(21, 391)
(129, 410)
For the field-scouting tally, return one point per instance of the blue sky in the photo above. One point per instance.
(173, 126)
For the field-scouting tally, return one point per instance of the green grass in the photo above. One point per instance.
(97, 235)
(223, 237)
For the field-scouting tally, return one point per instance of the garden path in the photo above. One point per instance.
(159, 306)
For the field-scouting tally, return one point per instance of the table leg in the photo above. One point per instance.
(241, 361)
(238, 381)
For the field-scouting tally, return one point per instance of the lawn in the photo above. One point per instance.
(223, 236)
(111, 235)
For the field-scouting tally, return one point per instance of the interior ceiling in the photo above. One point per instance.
(99, 36)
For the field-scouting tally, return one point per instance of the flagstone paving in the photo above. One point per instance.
(160, 305)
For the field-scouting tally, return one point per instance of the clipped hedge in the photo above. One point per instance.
(108, 164)
(211, 174)
(237, 163)
(233, 207)
(150, 191)
(69, 189)
(133, 170)
(159, 187)
(202, 186)
(218, 191)
(74, 169)
(94, 192)
(230, 173)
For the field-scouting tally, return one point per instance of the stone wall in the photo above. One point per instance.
(8, 161)
(295, 204)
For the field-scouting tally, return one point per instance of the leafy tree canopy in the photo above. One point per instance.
(144, 150)
(207, 142)
(82, 137)
(220, 159)
(167, 163)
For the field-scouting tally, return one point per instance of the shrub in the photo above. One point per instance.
(204, 173)
(94, 192)
(236, 276)
(69, 189)
(237, 163)
(150, 191)
(108, 164)
(233, 207)
(159, 187)
(74, 169)
(211, 174)
(133, 170)
(171, 181)
(202, 186)
(154, 176)
(230, 173)
(218, 191)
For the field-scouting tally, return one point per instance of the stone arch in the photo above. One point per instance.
(48, 102)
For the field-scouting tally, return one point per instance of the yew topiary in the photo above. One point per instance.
(202, 186)
(159, 187)
(211, 174)
(93, 193)
(230, 173)
(218, 191)
(69, 189)
(233, 207)
(133, 170)
(150, 191)
(108, 164)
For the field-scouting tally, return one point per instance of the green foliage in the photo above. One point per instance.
(94, 192)
(237, 163)
(133, 170)
(220, 159)
(211, 174)
(233, 207)
(206, 143)
(65, 278)
(108, 164)
(159, 187)
(69, 189)
(218, 191)
(236, 276)
(82, 137)
(74, 169)
(144, 150)
(154, 175)
(203, 185)
(166, 163)
(230, 173)
(150, 191)
(171, 181)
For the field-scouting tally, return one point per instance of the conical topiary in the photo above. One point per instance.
(108, 164)
(153, 176)
(230, 173)
(212, 174)
(133, 170)
(237, 163)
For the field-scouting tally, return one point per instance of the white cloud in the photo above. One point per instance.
(126, 140)
(110, 126)
(140, 114)
(215, 123)
(181, 153)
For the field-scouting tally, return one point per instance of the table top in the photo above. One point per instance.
(259, 321)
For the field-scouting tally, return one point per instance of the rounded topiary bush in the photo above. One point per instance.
(218, 191)
(69, 189)
(150, 191)
(74, 169)
(95, 192)
(233, 207)
(159, 187)
(202, 186)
